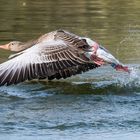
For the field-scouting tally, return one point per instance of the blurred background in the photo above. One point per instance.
(100, 104)
(114, 24)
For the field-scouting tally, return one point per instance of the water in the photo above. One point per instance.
(99, 104)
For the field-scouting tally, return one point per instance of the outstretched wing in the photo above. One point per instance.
(44, 60)
(70, 39)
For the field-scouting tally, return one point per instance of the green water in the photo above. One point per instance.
(99, 104)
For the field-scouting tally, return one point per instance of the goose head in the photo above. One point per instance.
(12, 46)
(17, 46)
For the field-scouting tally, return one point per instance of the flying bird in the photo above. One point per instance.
(55, 55)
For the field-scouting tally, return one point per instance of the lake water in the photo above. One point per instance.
(100, 104)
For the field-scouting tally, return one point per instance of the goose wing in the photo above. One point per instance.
(45, 60)
(68, 37)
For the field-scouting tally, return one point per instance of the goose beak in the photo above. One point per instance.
(6, 46)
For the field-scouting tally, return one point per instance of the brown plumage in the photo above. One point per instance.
(58, 54)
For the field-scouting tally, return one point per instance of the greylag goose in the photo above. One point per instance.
(58, 54)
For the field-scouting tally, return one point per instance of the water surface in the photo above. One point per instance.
(99, 104)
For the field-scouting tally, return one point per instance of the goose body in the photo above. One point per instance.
(58, 54)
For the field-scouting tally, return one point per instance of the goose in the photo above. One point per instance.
(17, 46)
(55, 55)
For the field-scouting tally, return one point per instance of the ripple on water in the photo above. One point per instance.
(82, 103)
(101, 81)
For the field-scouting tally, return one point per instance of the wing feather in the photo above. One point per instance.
(54, 59)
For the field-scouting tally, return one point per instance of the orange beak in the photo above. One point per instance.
(6, 47)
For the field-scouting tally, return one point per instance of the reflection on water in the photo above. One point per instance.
(100, 103)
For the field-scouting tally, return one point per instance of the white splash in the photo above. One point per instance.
(130, 80)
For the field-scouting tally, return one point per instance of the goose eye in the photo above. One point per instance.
(12, 44)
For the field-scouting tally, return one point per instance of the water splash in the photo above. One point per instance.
(103, 81)
(132, 80)
(134, 74)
